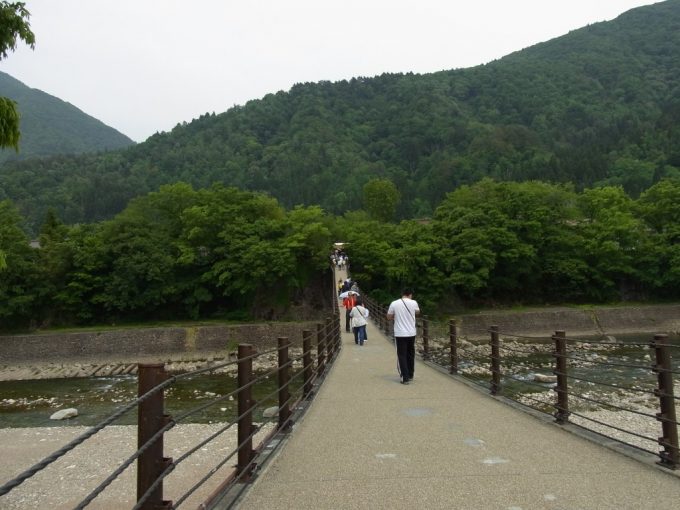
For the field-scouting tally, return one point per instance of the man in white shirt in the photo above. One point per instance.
(403, 312)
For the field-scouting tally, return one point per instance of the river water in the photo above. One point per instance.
(31, 403)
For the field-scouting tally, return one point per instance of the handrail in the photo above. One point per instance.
(153, 468)
(497, 360)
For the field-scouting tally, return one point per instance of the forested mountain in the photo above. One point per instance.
(600, 105)
(51, 126)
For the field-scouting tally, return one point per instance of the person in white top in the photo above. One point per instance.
(403, 312)
(358, 321)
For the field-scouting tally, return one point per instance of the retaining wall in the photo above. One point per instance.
(143, 345)
(576, 322)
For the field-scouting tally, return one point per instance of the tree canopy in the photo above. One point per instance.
(596, 107)
(14, 27)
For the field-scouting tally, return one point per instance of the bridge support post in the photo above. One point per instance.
(338, 335)
(307, 370)
(151, 419)
(245, 465)
(495, 361)
(670, 457)
(562, 388)
(329, 339)
(453, 340)
(284, 384)
(426, 338)
(320, 349)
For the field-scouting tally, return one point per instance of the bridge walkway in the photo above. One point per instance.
(369, 442)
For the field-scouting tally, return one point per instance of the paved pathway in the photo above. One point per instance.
(369, 442)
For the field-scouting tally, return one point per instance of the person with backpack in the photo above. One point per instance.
(358, 316)
(348, 303)
(403, 312)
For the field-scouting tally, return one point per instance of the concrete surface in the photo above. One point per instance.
(369, 442)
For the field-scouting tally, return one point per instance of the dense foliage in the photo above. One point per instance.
(221, 252)
(494, 243)
(176, 253)
(14, 27)
(51, 126)
(598, 106)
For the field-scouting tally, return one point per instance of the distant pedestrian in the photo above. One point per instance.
(340, 286)
(403, 312)
(358, 316)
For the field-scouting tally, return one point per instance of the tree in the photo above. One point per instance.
(381, 198)
(17, 281)
(14, 26)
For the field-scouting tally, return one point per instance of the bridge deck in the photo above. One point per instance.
(370, 442)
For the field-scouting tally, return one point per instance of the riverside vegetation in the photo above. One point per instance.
(185, 253)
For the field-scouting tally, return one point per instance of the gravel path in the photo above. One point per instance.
(67, 481)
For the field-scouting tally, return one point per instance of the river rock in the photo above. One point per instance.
(64, 414)
(270, 412)
(543, 378)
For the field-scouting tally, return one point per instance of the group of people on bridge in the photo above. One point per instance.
(339, 259)
(402, 312)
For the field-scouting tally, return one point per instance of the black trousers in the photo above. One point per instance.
(347, 319)
(406, 356)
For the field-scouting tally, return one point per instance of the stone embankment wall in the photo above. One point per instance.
(576, 322)
(42, 356)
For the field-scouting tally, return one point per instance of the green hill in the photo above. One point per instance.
(51, 126)
(599, 105)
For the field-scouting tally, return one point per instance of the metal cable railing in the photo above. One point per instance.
(496, 359)
(201, 444)
(181, 418)
(18, 480)
(614, 427)
(328, 342)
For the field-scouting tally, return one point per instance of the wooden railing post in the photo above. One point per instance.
(338, 334)
(151, 419)
(453, 340)
(328, 333)
(670, 457)
(307, 370)
(562, 389)
(320, 349)
(495, 361)
(245, 465)
(426, 338)
(284, 384)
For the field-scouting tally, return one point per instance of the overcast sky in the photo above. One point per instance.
(142, 66)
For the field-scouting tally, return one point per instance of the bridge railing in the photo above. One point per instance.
(297, 378)
(584, 384)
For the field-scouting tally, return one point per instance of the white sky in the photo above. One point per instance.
(142, 66)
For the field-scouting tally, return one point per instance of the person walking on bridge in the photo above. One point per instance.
(348, 302)
(403, 312)
(358, 316)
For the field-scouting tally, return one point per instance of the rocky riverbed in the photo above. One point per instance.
(65, 483)
(625, 399)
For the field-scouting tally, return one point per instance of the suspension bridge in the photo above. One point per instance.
(349, 435)
(370, 442)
